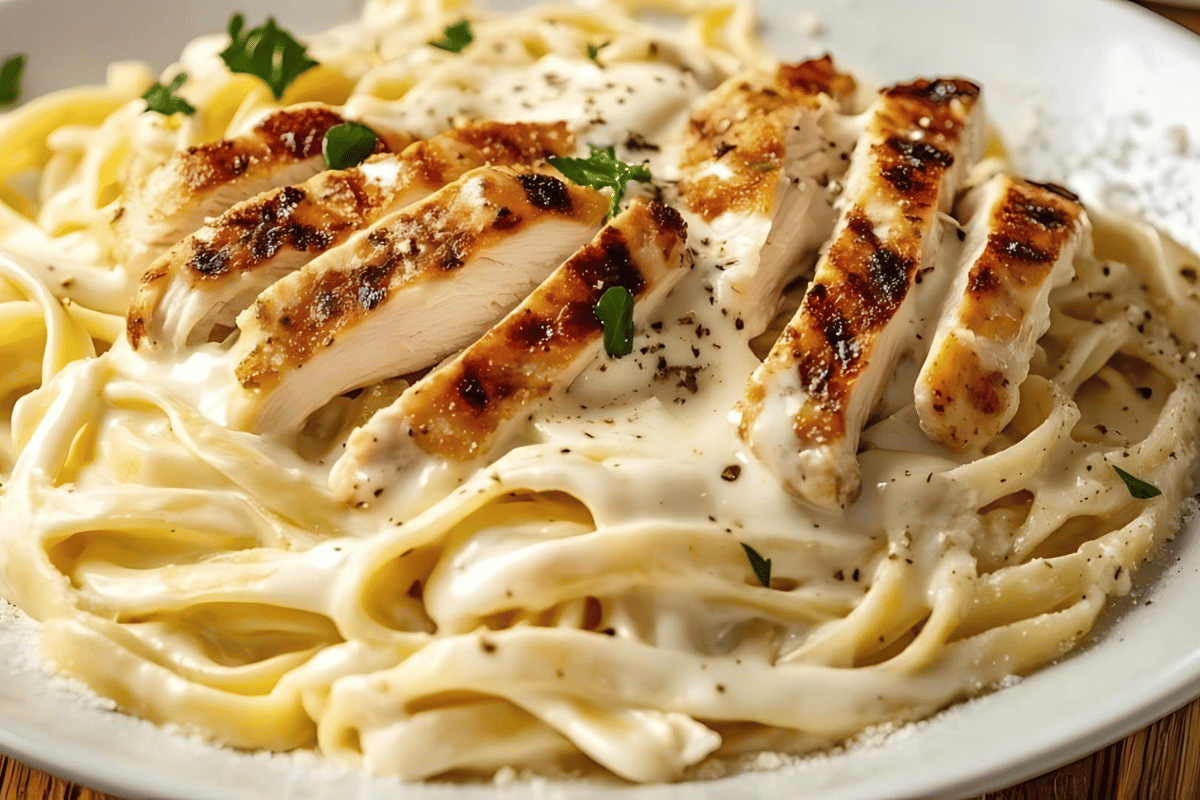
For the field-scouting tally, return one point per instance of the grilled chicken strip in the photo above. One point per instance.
(1021, 243)
(203, 282)
(805, 405)
(759, 150)
(202, 181)
(461, 410)
(413, 288)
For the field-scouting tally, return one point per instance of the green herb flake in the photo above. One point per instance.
(764, 166)
(760, 565)
(347, 145)
(267, 52)
(1138, 488)
(600, 169)
(10, 79)
(615, 311)
(163, 100)
(455, 37)
(592, 52)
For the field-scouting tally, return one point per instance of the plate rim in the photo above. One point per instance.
(24, 744)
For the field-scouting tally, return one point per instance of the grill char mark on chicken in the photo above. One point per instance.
(1021, 241)
(805, 405)
(205, 280)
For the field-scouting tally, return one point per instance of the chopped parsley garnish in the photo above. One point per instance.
(1137, 487)
(10, 79)
(764, 166)
(760, 565)
(267, 52)
(615, 311)
(347, 145)
(600, 169)
(455, 37)
(593, 51)
(163, 100)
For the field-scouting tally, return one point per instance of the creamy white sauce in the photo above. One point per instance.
(584, 588)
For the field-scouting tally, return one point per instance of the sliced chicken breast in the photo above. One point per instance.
(202, 181)
(415, 287)
(1021, 243)
(203, 282)
(805, 405)
(461, 410)
(759, 151)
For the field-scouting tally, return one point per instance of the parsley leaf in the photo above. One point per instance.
(615, 311)
(163, 100)
(456, 37)
(602, 169)
(592, 52)
(268, 52)
(10, 79)
(760, 565)
(347, 145)
(1138, 488)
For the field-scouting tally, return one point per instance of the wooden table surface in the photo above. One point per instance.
(1160, 762)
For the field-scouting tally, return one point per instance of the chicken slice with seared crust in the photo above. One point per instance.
(202, 283)
(1021, 243)
(202, 181)
(461, 410)
(805, 405)
(759, 151)
(415, 287)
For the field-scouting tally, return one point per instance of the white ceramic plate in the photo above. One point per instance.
(1095, 93)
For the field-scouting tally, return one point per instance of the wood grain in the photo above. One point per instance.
(1160, 762)
(1188, 18)
(19, 782)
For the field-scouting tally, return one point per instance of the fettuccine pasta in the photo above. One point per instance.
(582, 595)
